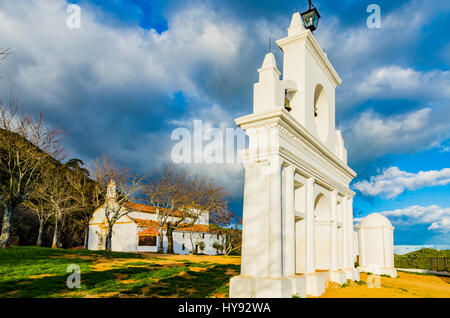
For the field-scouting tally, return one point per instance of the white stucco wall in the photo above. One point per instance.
(376, 245)
(125, 235)
(124, 238)
(179, 240)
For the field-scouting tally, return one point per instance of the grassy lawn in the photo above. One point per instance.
(41, 272)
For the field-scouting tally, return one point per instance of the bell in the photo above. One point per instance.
(287, 105)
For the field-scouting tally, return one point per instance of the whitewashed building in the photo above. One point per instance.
(138, 231)
(298, 208)
(376, 245)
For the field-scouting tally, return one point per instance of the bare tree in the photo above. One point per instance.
(166, 191)
(118, 186)
(56, 189)
(40, 206)
(27, 144)
(182, 200)
(230, 236)
(87, 192)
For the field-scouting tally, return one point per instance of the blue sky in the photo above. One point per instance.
(138, 69)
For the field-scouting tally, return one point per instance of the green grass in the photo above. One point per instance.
(23, 273)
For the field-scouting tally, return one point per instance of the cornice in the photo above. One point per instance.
(281, 118)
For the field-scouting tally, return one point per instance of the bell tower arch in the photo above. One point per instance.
(306, 64)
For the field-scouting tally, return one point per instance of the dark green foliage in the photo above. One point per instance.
(426, 258)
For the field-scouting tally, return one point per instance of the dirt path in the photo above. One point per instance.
(219, 259)
(405, 286)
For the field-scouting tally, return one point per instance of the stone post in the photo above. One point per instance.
(288, 219)
(346, 231)
(310, 235)
(350, 233)
(275, 223)
(334, 239)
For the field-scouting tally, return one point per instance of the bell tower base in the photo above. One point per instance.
(267, 287)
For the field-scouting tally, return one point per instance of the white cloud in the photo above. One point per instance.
(393, 182)
(397, 82)
(372, 136)
(445, 149)
(377, 63)
(437, 217)
(110, 57)
(104, 80)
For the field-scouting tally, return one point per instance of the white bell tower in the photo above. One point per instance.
(297, 226)
(306, 64)
(309, 83)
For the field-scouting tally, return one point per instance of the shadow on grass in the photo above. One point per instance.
(151, 281)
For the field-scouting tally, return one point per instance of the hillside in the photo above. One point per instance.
(427, 252)
(425, 258)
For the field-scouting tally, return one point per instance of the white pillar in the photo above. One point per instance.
(351, 238)
(255, 222)
(310, 236)
(288, 216)
(362, 247)
(345, 231)
(275, 223)
(334, 239)
(385, 247)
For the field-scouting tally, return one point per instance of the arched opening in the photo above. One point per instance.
(321, 113)
(322, 230)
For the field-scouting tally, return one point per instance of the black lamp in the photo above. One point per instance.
(311, 17)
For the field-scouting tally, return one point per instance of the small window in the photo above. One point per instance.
(183, 247)
(203, 235)
(217, 236)
(147, 240)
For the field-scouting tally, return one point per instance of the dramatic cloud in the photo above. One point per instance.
(366, 57)
(116, 88)
(438, 218)
(396, 82)
(136, 71)
(372, 135)
(393, 182)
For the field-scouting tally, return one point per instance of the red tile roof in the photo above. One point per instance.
(150, 231)
(195, 228)
(138, 207)
(145, 223)
(184, 227)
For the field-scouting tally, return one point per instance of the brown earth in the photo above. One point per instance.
(407, 285)
(219, 259)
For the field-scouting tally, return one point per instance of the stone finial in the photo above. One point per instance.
(269, 67)
(269, 61)
(296, 26)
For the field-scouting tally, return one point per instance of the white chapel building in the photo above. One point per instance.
(138, 231)
(298, 208)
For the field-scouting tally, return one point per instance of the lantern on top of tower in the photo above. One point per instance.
(311, 17)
